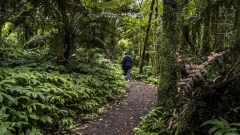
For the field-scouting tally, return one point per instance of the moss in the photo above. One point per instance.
(192, 115)
(203, 107)
(168, 77)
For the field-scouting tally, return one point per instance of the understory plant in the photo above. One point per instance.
(146, 76)
(222, 127)
(45, 99)
(152, 123)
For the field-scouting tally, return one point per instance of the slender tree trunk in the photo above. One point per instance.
(139, 40)
(67, 43)
(1, 25)
(188, 40)
(220, 31)
(236, 48)
(112, 46)
(155, 59)
(139, 32)
(167, 89)
(146, 37)
(206, 36)
(66, 31)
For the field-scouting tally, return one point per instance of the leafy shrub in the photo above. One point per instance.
(152, 123)
(222, 127)
(12, 57)
(145, 77)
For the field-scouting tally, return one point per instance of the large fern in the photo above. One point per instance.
(152, 123)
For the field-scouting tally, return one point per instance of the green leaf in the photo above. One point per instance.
(46, 118)
(214, 122)
(235, 124)
(63, 112)
(49, 119)
(9, 97)
(22, 97)
(212, 130)
(29, 108)
(7, 82)
(231, 134)
(34, 131)
(34, 95)
(225, 123)
(1, 98)
(20, 124)
(231, 130)
(40, 104)
(3, 130)
(3, 116)
(220, 132)
(33, 116)
(41, 96)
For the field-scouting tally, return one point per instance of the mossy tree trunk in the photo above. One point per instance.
(167, 89)
(155, 59)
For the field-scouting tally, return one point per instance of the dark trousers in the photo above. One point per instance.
(127, 72)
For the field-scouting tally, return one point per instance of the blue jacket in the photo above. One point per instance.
(127, 61)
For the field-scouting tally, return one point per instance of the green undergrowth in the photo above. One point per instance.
(36, 96)
(152, 123)
(146, 76)
(222, 127)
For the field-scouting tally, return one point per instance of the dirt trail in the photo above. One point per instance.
(123, 115)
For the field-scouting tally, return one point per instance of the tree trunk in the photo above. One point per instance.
(155, 59)
(146, 37)
(236, 48)
(1, 25)
(206, 36)
(221, 29)
(139, 32)
(67, 44)
(167, 89)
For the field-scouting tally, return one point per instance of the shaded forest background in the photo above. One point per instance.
(61, 58)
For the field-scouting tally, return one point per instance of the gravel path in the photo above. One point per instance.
(123, 115)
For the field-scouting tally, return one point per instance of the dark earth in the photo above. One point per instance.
(123, 115)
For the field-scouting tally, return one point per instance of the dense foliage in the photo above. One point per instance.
(152, 123)
(146, 77)
(61, 58)
(37, 95)
(207, 83)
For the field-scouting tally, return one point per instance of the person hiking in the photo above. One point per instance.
(127, 65)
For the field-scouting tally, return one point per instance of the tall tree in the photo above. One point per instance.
(156, 39)
(167, 88)
(145, 45)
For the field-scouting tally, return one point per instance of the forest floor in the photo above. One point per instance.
(123, 115)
